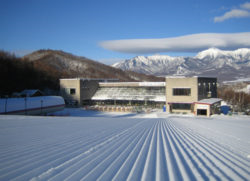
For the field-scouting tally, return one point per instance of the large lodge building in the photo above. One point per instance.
(196, 95)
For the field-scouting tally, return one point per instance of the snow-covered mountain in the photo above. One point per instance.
(226, 65)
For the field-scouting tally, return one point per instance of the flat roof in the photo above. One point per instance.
(209, 101)
(132, 84)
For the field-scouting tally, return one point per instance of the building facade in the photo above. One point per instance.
(183, 93)
(179, 94)
(78, 91)
(130, 94)
(81, 92)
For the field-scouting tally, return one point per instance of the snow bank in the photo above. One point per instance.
(16, 105)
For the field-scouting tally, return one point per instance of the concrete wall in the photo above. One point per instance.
(85, 89)
(211, 108)
(206, 107)
(67, 84)
(181, 82)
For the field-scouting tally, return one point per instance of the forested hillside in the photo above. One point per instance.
(42, 70)
(69, 65)
(17, 74)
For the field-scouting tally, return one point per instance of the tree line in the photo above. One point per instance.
(239, 100)
(17, 74)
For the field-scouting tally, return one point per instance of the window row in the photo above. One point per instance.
(181, 106)
(181, 91)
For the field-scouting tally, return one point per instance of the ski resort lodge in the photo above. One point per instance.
(196, 95)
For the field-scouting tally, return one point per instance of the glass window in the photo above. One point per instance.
(181, 91)
(72, 91)
(182, 106)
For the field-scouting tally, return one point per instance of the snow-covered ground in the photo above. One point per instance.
(91, 145)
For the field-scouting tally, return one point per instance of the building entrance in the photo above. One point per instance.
(202, 112)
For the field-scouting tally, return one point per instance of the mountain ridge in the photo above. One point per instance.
(226, 65)
(68, 65)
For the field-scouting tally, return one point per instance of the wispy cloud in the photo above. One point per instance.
(245, 6)
(242, 12)
(235, 13)
(188, 43)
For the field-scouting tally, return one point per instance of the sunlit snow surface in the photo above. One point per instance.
(125, 147)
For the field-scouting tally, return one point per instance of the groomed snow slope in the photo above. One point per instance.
(118, 148)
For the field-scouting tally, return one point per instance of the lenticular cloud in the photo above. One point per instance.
(188, 43)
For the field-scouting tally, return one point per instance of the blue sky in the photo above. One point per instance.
(88, 27)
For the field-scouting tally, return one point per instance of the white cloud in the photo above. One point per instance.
(242, 12)
(235, 13)
(188, 43)
(246, 5)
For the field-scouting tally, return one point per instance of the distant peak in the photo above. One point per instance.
(154, 58)
(211, 52)
(213, 49)
(215, 52)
